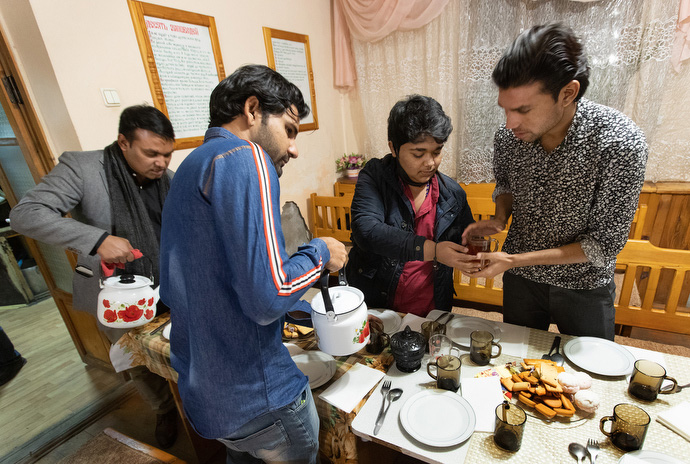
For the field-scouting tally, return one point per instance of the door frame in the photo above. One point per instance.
(90, 342)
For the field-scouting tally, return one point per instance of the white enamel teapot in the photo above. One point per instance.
(127, 301)
(339, 316)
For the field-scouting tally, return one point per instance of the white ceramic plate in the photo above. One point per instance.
(391, 320)
(460, 328)
(652, 457)
(599, 356)
(438, 418)
(316, 365)
(166, 331)
(293, 349)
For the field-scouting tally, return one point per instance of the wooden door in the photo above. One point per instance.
(29, 164)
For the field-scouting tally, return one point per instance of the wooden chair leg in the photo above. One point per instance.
(623, 330)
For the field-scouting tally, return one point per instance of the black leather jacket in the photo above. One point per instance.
(383, 234)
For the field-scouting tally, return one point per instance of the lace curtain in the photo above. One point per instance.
(628, 43)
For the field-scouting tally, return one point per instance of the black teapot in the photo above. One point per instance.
(408, 349)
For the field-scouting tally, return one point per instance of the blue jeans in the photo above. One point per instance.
(288, 435)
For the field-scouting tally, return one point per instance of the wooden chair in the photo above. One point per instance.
(330, 217)
(644, 264)
(485, 291)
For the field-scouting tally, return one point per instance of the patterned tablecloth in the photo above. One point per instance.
(337, 442)
(543, 441)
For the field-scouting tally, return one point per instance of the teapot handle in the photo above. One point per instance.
(325, 294)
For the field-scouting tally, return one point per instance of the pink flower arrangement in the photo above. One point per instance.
(351, 161)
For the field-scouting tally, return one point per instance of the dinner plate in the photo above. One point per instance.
(318, 366)
(460, 328)
(166, 331)
(652, 457)
(599, 356)
(438, 418)
(293, 349)
(391, 320)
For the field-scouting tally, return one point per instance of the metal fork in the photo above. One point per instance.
(384, 391)
(592, 450)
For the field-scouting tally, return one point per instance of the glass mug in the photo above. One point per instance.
(646, 380)
(440, 345)
(481, 347)
(447, 372)
(430, 328)
(510, 425)
(378, 339)
(481, 245)
(628, 427)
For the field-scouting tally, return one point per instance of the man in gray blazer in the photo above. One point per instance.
(115, 197)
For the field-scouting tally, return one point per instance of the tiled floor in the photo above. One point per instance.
(135, 419)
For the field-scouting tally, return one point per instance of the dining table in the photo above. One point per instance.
(543, 440)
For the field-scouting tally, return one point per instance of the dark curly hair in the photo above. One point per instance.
(417, 116)
(276, 94)
(551, 54)
(147, 118)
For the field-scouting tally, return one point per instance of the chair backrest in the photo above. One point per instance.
(644, 265)
(330, 217)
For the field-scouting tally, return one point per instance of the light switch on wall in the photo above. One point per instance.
(110, 97)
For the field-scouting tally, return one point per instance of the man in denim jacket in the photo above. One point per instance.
(229, 281)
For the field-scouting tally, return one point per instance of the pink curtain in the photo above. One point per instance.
(681, 42)
(372, 20)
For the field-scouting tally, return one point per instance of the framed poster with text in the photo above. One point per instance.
(288, 53)
(183, 65)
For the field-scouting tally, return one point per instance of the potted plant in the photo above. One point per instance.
(351, 164)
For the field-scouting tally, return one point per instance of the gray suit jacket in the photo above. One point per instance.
(76, 185)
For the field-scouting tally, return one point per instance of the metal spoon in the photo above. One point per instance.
(557, 357)
(578, 451)
(393, 395)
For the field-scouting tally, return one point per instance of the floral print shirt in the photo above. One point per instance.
(586, 190)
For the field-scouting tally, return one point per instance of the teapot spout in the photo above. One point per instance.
(156, 295)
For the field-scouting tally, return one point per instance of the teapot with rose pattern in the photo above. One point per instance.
(127, 301)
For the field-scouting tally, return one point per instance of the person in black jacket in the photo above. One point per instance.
(408, 218)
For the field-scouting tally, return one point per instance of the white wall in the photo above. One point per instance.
(76, 47)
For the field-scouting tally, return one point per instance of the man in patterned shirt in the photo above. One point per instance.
(570, 173)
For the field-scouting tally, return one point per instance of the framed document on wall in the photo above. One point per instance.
(288, 53)
(183, 65)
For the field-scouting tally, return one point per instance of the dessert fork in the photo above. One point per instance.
(384, 391)
(592, 449)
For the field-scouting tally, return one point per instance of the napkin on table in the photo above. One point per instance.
(415, 322)
(483, 394)
(677, 419)
(346, 392)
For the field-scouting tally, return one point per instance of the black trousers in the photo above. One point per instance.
(575, 312)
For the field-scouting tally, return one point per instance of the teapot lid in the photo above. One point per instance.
(127, 281)
(408, 340)
(345, 299)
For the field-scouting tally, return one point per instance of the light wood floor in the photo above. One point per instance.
(54, 385)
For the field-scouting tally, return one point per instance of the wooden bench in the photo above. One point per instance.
(644, 264)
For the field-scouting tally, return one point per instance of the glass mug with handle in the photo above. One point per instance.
(481, 347)
(478, 244)
(628, 426)
(646, 380)
(447, 372)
